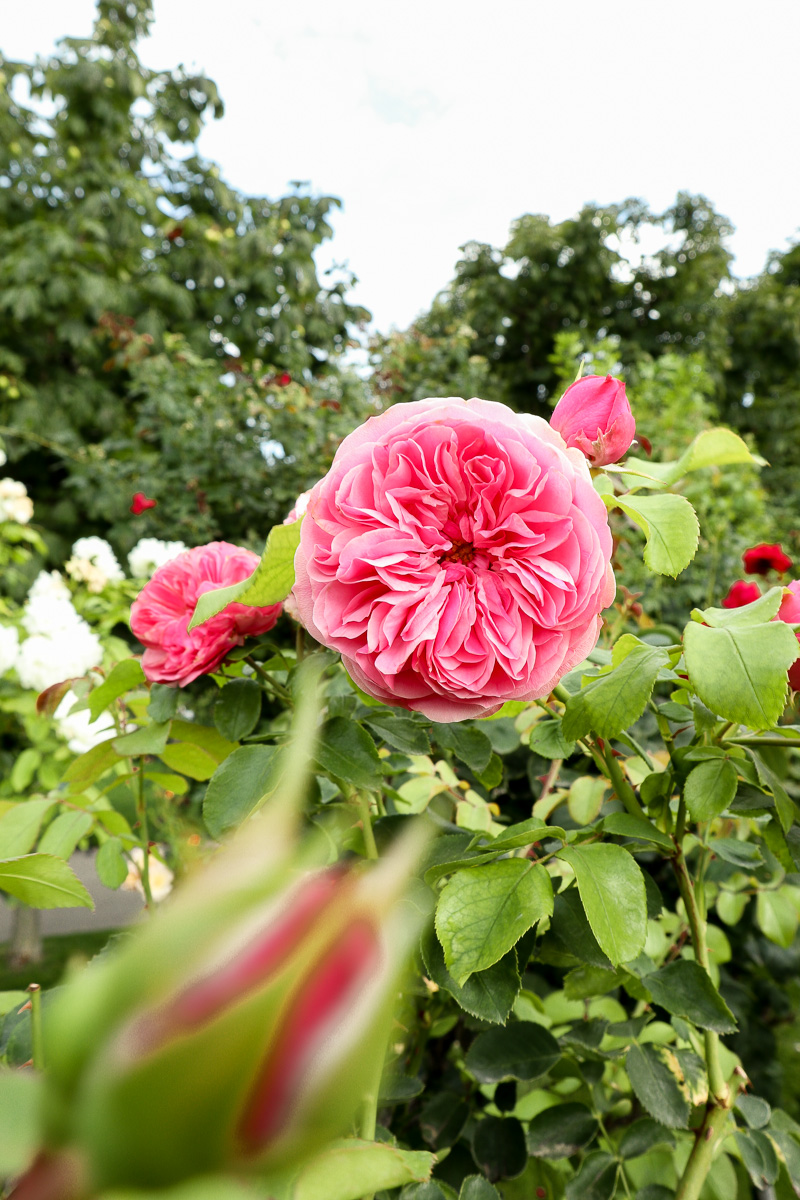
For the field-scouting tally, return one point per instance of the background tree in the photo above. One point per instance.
(114, 230)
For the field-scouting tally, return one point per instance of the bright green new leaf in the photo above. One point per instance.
(189, 759)
(111, 864)
(612, 892)
(124, 676)
(710, 788)
(547, 738)
(616, 699)
(87, 768)
(585, 798)
(740, 672)
(19, 826)
(208, 739)
(777, 917)
(487, 994)
(716, 448)
(656, 1086)
(270, 583)
(351, 1168)
(484, 911)
(43, 881)
(684, 989)
(63, 834)
(756, 613)
(670, 526)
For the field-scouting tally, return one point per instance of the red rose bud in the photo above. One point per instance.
(741, 593)
(284, 379)
(595, 417)
(258, 1021)
(141, 503)
(760, 560)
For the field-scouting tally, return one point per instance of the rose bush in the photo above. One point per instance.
(161, 613)
(457, 555)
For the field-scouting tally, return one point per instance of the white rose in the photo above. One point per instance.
(9, 647)
(76, 728)
(97, 551)
(15, 503)
(43, 661)
(161, 877)
(151, 553)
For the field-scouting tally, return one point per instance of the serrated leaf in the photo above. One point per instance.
(656, 1087)
(670, 526)
(43, 881)
(613, 895)
(547, 739)
(561, 1131)
(151, 739)
(487, 994)
(596, 1178)
(643, 1136)
(484, 911)
(756, 613)
(684, 989)
(238, 786)
(469, 744)
(20, 825)
(585, 798)
(709, 789)
(740, 672)
(741, 854)
(346, 750)
(189, 759)
(613, 701)
(758, 1155)
(622, 824)
(351, 1168)
(270, 583)
(400, 732)
(237, 709)
(498, 1147)
(88, 768)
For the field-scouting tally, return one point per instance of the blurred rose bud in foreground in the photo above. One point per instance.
(595, 417)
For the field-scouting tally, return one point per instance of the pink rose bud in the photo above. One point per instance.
(789, 612)
(595, 417)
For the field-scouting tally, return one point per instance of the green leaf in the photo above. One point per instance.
(400, 732)
(487, 994)
(20, 1120)
(547, 739)
(585, 798)
(613, 894)
(190, 760)
(526, 833)
(522, 1050)
(643, 1136)
(684, 989)
(19, 826)
(204, 736)
(740, 672)
(655, 1086)
(483, 911)
(596, 1178)
(756, 1111)
(237, 709)
(43, 881)
(111, 864)
(758, 1155)
(758, 612)
(712, 448)
(163, 702)
(124, 676)
(613, 701)
(270, 583)
(777, 917)
(238, 786)
(784, 805)
(24, 769)
(670, 526)
(469, 744)
(63, 834)
(710, 788)
(498, 1147)
(741, 854)
(572, 933)
(622, 824)
(561, 1131)
(150, 739)
(475, 1187)
(347, 751)
(350, 1169)
(85, 770)
(442, 1119)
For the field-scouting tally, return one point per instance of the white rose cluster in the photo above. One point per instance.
(94, 563)
(151, 553)
(60, 644)
(15, 503)
(75, 727)
(161, 878)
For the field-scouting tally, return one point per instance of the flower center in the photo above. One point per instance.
(460, 551)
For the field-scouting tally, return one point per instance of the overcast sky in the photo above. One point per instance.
(438, 122)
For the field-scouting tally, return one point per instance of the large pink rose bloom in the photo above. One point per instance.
(163, 609)
(457, 555)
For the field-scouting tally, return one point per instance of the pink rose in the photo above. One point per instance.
(789, 612)
(457, 555)
(161, 613)
(594, 416)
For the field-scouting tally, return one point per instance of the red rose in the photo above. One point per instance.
(741, 593)
(283, 379)
(140, 503)
(760, 560)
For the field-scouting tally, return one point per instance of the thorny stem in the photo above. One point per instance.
(623, 789)
(263, 675)
(700, 1159)
(141, 812)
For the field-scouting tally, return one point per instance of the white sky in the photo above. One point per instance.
(439, 121)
